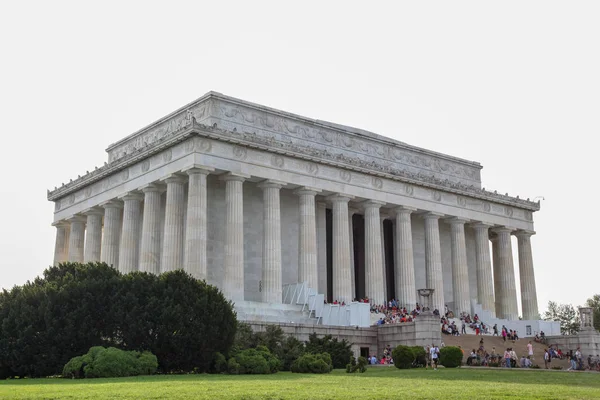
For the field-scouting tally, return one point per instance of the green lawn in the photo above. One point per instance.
(376, 383)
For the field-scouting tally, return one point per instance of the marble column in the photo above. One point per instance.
(496, 274)
(93, 235)
(322, 246)
(76, 238)
(307, 238)
(61, 246)
(150, 246)
(460, 270)
(406, 290)
(233, 279)
(172, 251)
(271, 266)
(506, 292)
(528, 291)
(374, 283)
(129, 248)
(433, 260)
(195, 234)
(111, 238)
(342, 291)
(386, 295)
(485, 286)
(351, 212)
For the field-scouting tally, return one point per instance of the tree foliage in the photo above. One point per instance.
(110, 362)
(74, 307)
(594, 302)
(339, 350)
(403, 357)
(312, 364)
(566, 315)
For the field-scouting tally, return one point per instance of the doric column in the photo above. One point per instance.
(460, 270)
(433, 260)
(307, 238)
(386, 295)
(322, 247)
(504, 274)
(233, 280)
(61, 246)
(406, 290)
(271, 266)
(496, 273)
(351, 212)
(195, 234)
(341, 249)
(528, 291)
(113, 217)
(76, 238)
(172, 252)
(130, 235)
(93, 235)
(485, 286)
(374, 283)
(150, 246)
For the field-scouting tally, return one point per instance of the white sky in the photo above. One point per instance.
(514, 85)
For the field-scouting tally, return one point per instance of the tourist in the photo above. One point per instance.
(435, 351)
(495, 329)
(530, 349)
(471, 357)
(507, 358)
(504, 334)
(573, 362)
(547, 358)
(513, 358)
(463, 328)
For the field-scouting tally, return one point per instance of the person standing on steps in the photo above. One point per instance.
(530, 350)
(495, 329)
(463, 328)
(546, 358)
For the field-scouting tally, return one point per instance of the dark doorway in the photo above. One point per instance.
(329, 248)
(388, 241)
(358, 226)
(364, 352)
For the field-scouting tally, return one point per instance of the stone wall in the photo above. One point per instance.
(588, 341)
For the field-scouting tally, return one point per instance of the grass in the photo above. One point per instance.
(377, 383)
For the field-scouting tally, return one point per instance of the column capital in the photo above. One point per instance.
(457, 221)
(60, 224)
(173, 178)
(112, 204)
(234, 176)
(340, 198)
(271, 183)
(197, 169)
(404, 210)
(307, 190)
(93, 211)
(523, 233)
(502, 229)
(481, 225)
(152, 187)
(372, 204)
(432, 215)
(76, 218)
(132, 196)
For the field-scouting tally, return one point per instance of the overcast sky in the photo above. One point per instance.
(513, 85)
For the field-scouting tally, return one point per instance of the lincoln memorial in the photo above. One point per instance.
(253, 199)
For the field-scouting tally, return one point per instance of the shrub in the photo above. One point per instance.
(362, 364)
(220, 363)
(339, 350)
(255, 361)
(353, 366)
(403, 357)
(312, 363)
(111, 362)
(451, 356)
(290, 351)
(420, 356)
(233, 366)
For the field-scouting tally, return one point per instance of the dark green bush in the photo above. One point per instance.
(420, 356)
(233, 367)
(451, 356)
(255, 361)
(362, 364)
(339, 350)
(111, 362)
(220, 363)
(403, 357)
(313, 364)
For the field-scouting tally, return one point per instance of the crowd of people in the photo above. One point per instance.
(393, 312)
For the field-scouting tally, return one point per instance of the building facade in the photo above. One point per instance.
(252, 198)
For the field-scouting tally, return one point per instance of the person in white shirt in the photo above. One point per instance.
(435, 351)
(530, 349)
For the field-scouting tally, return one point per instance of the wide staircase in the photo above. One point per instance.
(469, 342)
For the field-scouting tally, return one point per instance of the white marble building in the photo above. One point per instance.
(251, 198)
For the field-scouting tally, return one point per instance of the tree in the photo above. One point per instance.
(339, 350)
(594, 302)
(566, 315)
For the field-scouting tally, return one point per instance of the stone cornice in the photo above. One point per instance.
(251, 140)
